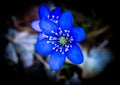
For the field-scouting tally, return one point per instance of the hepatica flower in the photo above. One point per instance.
(44, 12)
(60, 39)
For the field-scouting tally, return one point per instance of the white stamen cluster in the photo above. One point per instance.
(55, 40)
(53, 18)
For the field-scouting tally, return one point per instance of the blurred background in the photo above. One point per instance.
(19, 61)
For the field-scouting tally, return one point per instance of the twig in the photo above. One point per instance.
(42, 60)
(96, 33)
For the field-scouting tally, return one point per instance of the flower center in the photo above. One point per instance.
(62, 40)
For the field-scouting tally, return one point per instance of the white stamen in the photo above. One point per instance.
(71, 39)
(67, 46)
(56, 33)
(66, 49)
(53, 43)
(46, 36)
(53, 16)
(65, 30)
(48, 41)
(59, 28)
(56, 21)
(60, 32)
(48, 16)
(63, 34)
(71, 46)
(51, 19)
(68, 31)
(57, 17)
(54, 48)
(57, 45)
(52, 38)
(67, 35)
(62, 52)
(60, 48)
(52, 31)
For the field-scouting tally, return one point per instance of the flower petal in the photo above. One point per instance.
(56, 12)
(48, 26)
(43, 11)
(35, 25)
(78, 34)
(44, 48)
(41, 36)
(65, 21)
(57, 60)
(75, 54)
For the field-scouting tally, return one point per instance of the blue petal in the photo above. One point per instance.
(43, 11)
(48, 26)
(78, 34)
(44, 48)
(56, 12)
(57, 60)
(75, 54)
(35, 25)
(66, 21)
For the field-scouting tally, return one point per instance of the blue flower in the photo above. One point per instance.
(44, 12)
(60, 39)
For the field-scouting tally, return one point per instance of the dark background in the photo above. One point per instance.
(105, 10)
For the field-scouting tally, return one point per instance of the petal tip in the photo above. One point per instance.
(35, 25)
(56, 60)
